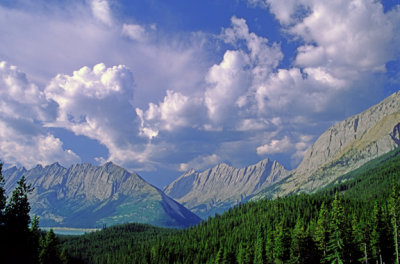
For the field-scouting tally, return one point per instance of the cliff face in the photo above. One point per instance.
(216, 190)
(86, 196)
(345, 147)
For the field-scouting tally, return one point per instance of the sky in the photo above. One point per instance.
(162, 86)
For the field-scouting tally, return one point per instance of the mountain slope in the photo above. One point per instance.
(237, 234)
(87, 196)
(345, 147)
(217, 189)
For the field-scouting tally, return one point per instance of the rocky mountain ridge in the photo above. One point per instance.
(345, 147)
(85, 195)
(217, 189)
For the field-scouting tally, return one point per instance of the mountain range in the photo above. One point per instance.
(217, 189)
(85, 195)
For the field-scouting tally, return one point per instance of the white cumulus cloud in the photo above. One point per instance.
(96, 102)
(24, 109)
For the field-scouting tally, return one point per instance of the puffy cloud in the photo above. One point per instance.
(184, 104)
(275, 146)
(24, 108)
(231, 81)
(177, 110)
(97, 103)
(297, 145)
(228, 81)
(340, 35)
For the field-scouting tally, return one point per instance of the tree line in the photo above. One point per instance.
(354, 221)
(21, 240)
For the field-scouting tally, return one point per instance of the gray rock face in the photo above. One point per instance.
(87, 196)
(346, 146)
(218, 189)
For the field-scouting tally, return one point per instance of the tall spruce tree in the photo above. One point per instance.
(335, 247)
(259, 249)
(381, 236)
(282, 242)
(17, 221)
(395, 214)
(3, 197)
(322, 231)
(50, 249)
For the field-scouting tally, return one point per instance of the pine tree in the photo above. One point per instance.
(17, 210)
(241, 254)
(322, 231)
(395, 214)
(50, 249)
(381, 236)
(356, 244)
(335, 247)
(259, 249)
(17, 221)
(3, 197)
(219, 256)
(35, 239)
(3, 201)
(282, 243)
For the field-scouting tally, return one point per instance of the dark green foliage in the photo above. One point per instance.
(337, 229)
(19, 242)
(50, 250)
(16, 221)
(395, 217)
(352, 222)
(3, 197)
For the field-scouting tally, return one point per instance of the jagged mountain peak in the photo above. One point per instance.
(217, 189)
(85, 195)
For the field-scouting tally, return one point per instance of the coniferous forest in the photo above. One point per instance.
(354, 220)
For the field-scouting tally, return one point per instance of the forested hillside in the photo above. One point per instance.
(354, 221)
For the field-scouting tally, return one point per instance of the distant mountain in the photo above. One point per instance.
(217, 189)
(344, 147)
(88, 196)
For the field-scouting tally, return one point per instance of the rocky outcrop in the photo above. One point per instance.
(88, 196)
(344, 147)
(218, 189)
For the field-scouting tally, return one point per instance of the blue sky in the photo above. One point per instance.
(160, 87)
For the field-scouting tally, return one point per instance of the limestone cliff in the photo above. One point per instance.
(217, 189)
(345, 147)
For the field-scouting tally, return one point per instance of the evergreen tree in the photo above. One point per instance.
(219, 256)
(50, 249)
(3, 197)
(35, 239)
(248, 256)
(322, 231)
(282, 243)
(241, 254)
(17, 210)
(335, 247)
(395, 214)
(259, 250)
(356, 245)
(17, 221)
(381, 236)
